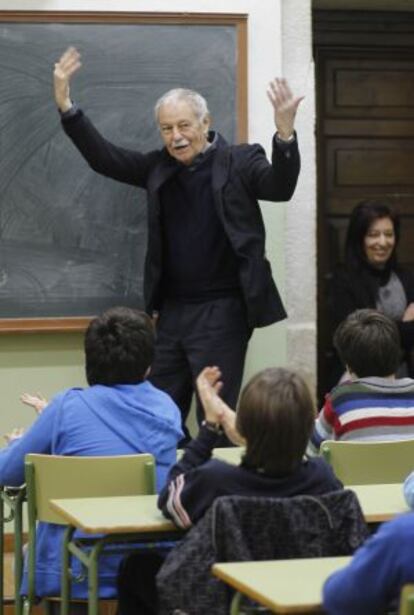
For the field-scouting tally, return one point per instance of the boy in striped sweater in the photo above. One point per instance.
(373, 404)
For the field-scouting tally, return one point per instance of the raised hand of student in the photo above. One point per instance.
(285, 106)
(15, 434)
(208, 387)
(215, 409)
(67, 66)
(37, 401)
(228, 423)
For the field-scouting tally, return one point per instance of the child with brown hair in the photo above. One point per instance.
(274, 421)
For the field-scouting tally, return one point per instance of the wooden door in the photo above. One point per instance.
(365, 136)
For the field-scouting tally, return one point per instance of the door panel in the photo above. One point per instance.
(365, 136)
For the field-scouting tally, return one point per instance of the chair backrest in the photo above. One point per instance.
(407, 600)
(259, 528)
(364, 463)
(54, 476)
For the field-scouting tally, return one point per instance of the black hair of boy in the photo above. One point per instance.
(368, 344)
(276, 415)
(119, 347)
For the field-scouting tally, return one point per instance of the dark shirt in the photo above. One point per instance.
(198, 261)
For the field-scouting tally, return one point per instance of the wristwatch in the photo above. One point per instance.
(216, 427)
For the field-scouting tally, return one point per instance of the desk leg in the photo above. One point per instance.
(235, 604)
(1, 552)
(65, 573)
(18, 551)
(410, 603)
(93, 581)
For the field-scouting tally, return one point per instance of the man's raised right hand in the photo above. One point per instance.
(67, 66)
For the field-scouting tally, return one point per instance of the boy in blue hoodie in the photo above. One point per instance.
(372, 582)
(119, 413)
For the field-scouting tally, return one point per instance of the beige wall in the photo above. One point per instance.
(36, 362)
(279, 43)
(300, 234)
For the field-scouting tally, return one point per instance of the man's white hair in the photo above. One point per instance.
(194, 99)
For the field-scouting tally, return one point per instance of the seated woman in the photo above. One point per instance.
(274, 421)
(371, 276)
(120, 413)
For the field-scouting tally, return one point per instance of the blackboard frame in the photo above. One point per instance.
(238, 21)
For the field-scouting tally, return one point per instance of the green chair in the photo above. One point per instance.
(12, 499)
(407, 600)
(56, 477)
(365, 463)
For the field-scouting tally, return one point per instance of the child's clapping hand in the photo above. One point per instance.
(37, 401)
(15, 434)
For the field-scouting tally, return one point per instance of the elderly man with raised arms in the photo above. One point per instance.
(206, 275)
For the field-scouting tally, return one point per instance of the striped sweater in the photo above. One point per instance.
(366, 409)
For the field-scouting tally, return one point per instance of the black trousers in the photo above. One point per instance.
(191, 336)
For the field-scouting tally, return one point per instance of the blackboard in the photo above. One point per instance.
(73, 243)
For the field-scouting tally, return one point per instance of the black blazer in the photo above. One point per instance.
(241, 175)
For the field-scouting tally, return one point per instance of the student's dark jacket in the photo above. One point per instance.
(241, 175)
(196, 480)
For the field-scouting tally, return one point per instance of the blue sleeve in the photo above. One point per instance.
(166, 458)
(376, 573)
(38, 439)
(409, 490)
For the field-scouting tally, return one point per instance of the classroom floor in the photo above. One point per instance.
(106, 608)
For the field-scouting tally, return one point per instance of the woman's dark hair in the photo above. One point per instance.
(363, 215)
(368, 343)
(276, 415)
(119, 347)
